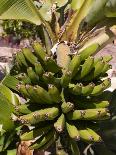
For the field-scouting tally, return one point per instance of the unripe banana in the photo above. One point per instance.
(107, 58)
(87, 66)
(96, 71)
(95, 136)
(33, 95)
(106, 68)
(22, 89)
(107, 83)
(72, 131)
(29, 56)
(51, 65)
(96, 60)
(74, 65)
(105, 117)
(98, 68)
(32, 75)
(89, 114)
(39, 69)
(60, 124)
(42, 140)
(74, 147)
(39, 51)
(18, 61)
(67, 106)
(85, 135)
(48, 77)
(23, 109)
(77, 89)
(43, 94)
(92, 105)
(88, 51)
(54, 93)
(40, 115)
(21, 59)
(101, 87)
(23, 77)
(35, 133)
(86, 90)
(65, 79)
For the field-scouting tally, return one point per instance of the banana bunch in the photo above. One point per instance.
(53, 96)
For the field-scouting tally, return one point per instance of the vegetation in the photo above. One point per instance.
(59, 78)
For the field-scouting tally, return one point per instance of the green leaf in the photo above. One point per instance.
(110, 9)
(12, 98)
(96, 12)
(19, 9)
(10, 82)
(6, 110)
(76, 4)
(11, 152)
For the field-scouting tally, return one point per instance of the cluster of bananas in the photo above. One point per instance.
(62, 100)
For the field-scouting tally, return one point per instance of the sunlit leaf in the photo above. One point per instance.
(19, 9)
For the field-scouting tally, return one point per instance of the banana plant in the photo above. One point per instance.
(60, 78)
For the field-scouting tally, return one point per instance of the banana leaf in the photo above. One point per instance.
(19, 9)
(101, 10)
(6, 110)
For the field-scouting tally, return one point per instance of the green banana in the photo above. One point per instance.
(67, 106)
(96, 71)
(32, 75)
(88, 114)
(23, 109)
(51, 65)
(23, 77)
(72, 131)
(34, 95)
(21, 59)
(74, 65)
(40, 53)
(107, 58)
(40, 115)
(87, 90)
(95, 136)
(99, 88)
(54, 93)
(105, 117)
(107, 83)
(30, 135)
(87, 66)
(60, 123)
(39, 69)
(29, 56)
(92, 105)
(18, 62)
(85, 135)
(106, 68)
(42, 140)
(74, 147)
(77, 89)
(96, 60)
(88, 51)
(48, 78)
(22, 89)
(65, 79)
(98, 68)
(43, 94)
